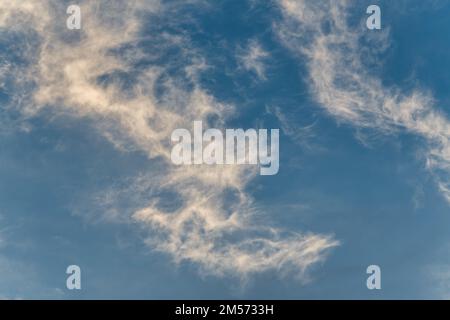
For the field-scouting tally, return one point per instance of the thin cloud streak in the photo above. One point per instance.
(63, 78)
(347, 90)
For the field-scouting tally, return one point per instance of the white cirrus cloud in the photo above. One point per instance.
(63, 77)
(253, 58)
(340, 81)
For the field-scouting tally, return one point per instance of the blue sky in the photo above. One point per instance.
(86, 117)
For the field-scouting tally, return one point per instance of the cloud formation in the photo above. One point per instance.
(253, 58)
(344, 86)
(98, 73)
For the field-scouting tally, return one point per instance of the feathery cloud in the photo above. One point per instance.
(318, 31)
(253, 58)
(92, 74)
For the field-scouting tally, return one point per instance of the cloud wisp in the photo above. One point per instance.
(92, 74)
(340, 81)
(253, 58)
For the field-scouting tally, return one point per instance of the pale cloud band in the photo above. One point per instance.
(348, 91)
(61, 77)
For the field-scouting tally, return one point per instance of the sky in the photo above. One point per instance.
(86, 176)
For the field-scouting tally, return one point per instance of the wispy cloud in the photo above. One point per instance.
(253, 58)
(92, 74)
(299, 134)
(318, 32)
